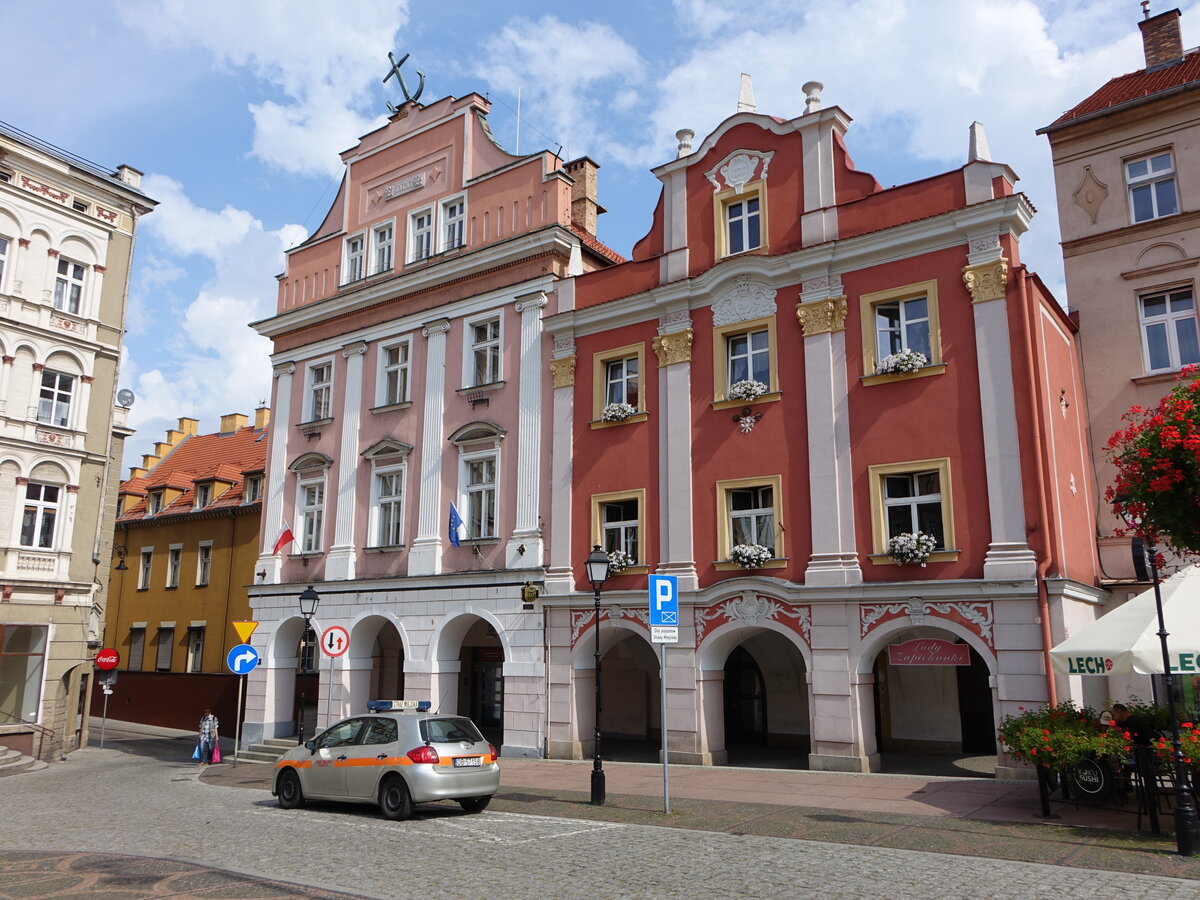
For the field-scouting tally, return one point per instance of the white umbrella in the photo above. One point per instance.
(1125, 641)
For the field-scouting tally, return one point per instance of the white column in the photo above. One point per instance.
(272, 518)
(986, 274)
(559, 578)
(425, 558)
(673, 347)
(526, 533)
(340, 562)
(834, 559)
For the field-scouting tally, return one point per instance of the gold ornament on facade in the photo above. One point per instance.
(822, 316)
(986, 281)
(673, 348)
(563, 371)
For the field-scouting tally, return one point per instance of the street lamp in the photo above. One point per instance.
(308, 608)
(1187, 826)
(597, 571)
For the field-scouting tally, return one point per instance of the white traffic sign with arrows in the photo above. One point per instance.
(335, 640)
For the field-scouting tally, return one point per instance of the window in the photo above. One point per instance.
(204, 563)
(387, 507)
(750, 511)
(308, 651)
(902, 318)
(320, 389)
(195, 657)
(68, 286)
(617, 378)
(394, 377)
(479, 485)
(618, 523)
(144, 568)
(484, 355)
(174, 559)
(383, 237)
(3, 259)
(203, 495)
(54, 398)
(740, 219)
(154, 503)
(1151, 182)
(166, 637)
(40, 515)
(79, 205)
(420, 235)
(354, 259)
(311, 509)
(137, 648)
(744, 351)
(909, 497)
(1169, 337)
(453, 217)
(621, 381)
(22, 665)
(252, 489)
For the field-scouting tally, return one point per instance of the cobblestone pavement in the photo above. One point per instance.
(120, 804)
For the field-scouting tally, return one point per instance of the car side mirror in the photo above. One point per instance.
(311, 746)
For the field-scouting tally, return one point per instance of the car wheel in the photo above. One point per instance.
(394, 799)
(288, 790)
(474, 804)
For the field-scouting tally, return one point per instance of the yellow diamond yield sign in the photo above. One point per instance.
(245, 629)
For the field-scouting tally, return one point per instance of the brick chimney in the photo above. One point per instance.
(1161, 38)
(262, 417)
(584, 208)
(231, 422)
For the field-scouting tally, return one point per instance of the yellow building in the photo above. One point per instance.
(186, 542)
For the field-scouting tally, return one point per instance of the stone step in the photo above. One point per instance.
(284, 744)
(14, 763)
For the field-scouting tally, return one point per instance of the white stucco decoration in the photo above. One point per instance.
(744, 301)
(738, 169)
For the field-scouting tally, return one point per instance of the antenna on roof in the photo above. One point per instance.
(518, 149)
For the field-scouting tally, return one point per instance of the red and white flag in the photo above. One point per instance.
(285, 538)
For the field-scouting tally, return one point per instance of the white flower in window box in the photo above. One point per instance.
(907, 547)
(750, 556)
(619, 561)
(746, 390)
(617, 412)
(903, 363)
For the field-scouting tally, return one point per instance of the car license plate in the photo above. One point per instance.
(462, 761)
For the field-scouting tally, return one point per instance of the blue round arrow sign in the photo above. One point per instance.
(242, 659)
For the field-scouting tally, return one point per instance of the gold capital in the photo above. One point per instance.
(822, 316)
(563, 371)
(986, 280)
(673, 348)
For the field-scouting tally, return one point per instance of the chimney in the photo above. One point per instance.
(129, 175)
(1161, 38)
(262, 417)
(584, 208)
(232, 422)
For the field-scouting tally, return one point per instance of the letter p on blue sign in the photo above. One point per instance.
(664, 600)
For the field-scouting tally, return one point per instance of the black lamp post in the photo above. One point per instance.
(597, 571)
(308, 608)
(1187, 826)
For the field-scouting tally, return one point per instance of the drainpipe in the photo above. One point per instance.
(1036, 411)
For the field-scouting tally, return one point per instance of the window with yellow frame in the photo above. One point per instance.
(901, 319)
(619, 523)
(745, 351)
(618, 384)
(910, 497)
(750, 511)
(741, 219)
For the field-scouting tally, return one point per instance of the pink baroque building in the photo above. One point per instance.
(814, 365)
(409, 376)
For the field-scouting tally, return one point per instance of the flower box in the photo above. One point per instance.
(746, 390)
(617, 412)
(750, 556)
(906, 548)
(905, 362)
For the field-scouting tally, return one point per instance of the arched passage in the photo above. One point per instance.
(468, 676)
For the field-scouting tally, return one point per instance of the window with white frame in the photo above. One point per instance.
(203, 563)
(137, 648)
(420, 235)
(3, 259)
(145, 563)
(203, 495)
(68, 286)
(394, 373)
(174, 561)
(252, 489)
(387, 506)
(621, 379)
(1151, 183)
(913, 502)
(453, 219)
(903, 325)
(1169, 334)
(355, 258)
(752, 516)
(154, 503)
(54, 398)
(166, 643)
(748, 356)
(320, 391)
(743, 225)
(310, 509)
(195, 656)
(484, 350)
(40, 515)
(479, 490)
(619, 523)
(383, 238)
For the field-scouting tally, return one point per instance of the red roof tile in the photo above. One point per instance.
(1135, 86)
(593, 244)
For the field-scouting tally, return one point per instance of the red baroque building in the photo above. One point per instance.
(772, 261)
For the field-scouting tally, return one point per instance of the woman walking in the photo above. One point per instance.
(208, 737)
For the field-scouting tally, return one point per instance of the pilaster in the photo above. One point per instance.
(559, 578)
(340, 563)
(272, 518)
(425, 557)
(525, 546)
(673, 346)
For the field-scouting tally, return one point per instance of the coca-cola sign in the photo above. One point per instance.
(107, 659)
(929, 652)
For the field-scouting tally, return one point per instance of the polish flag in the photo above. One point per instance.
(285, 538)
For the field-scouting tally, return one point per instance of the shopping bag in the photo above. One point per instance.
(216, 752)
(196, 752)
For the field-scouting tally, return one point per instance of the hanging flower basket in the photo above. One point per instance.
(750, 556)
(903, 363)
(617, 412)
(746, 390)
(619, 561)
(907, 548)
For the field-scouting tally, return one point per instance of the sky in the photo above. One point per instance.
(236, 112)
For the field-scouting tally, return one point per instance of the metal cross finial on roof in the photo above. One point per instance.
(395, 70)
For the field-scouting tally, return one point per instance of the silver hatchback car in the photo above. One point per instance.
(397, 755)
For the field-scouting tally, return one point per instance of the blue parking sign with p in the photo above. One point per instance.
(664, 600)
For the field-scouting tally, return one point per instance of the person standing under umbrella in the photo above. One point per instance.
(208, 736)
